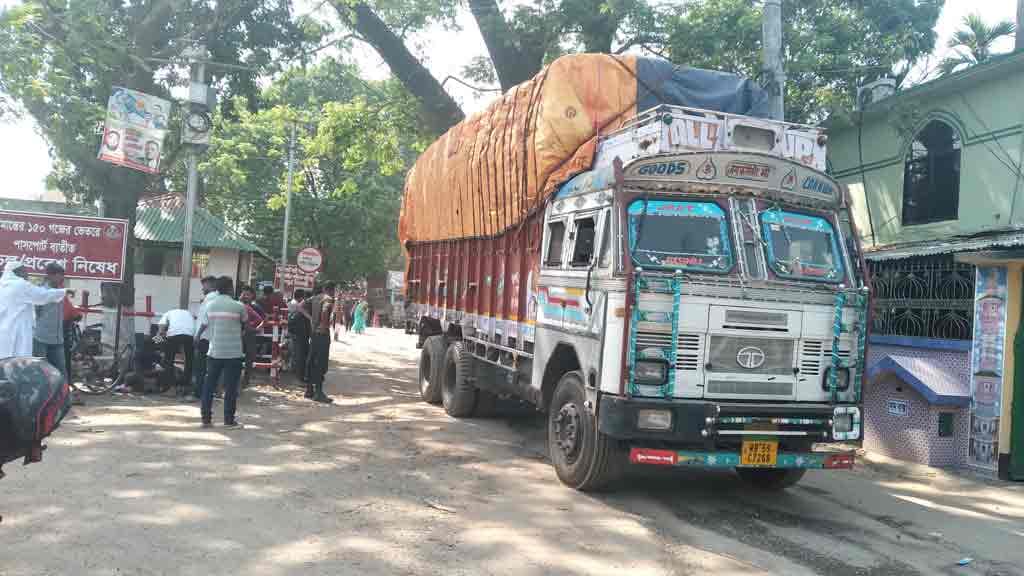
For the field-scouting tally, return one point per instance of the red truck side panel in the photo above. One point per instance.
(489, 279)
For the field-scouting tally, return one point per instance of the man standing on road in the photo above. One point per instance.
(320, 308)
(17, 321)
(48, 340)
(176, 329)
(298, 332)
(201, 341)
(223, 319)
(252, 336)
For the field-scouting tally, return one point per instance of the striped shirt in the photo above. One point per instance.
(223, 317)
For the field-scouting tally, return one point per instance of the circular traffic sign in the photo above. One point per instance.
(309, 260)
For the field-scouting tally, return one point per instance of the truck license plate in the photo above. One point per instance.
(759, 453)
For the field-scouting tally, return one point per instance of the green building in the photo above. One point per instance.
(934, 174)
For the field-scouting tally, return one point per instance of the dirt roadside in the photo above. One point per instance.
(380, 483)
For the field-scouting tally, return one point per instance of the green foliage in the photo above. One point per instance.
(355, 139)
(973, 43)
(832, 46)
(59, 62)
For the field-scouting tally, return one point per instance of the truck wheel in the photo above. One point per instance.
(584, 458)
(431, 365)
(457, 393)
(771, 479)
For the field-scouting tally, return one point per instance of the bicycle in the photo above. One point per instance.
(91, 371)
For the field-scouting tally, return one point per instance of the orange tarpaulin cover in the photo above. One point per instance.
(488, 172)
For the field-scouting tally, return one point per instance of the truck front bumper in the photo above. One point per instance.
(716, 425)
(728, 459)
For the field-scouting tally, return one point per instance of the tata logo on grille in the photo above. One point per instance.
(750, 357)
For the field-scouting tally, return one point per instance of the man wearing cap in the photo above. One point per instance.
(17, 318)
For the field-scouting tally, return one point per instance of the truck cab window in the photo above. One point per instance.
(583, 247)
(606, 242)
(802, 246)
(556, 239)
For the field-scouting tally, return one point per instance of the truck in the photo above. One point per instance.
(677, 285)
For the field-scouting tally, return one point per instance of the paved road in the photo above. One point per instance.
(380, 483)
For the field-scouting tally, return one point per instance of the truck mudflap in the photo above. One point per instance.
(724, 459)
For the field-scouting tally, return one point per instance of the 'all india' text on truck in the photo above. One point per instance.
(675, 287)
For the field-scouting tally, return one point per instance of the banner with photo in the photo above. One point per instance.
(987, 364)
(133, 135)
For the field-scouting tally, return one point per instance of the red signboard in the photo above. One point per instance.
(87, 248)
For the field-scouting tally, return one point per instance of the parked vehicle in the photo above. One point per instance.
(695, 298)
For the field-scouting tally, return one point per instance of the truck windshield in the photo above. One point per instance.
(687, 235)
(802, 246)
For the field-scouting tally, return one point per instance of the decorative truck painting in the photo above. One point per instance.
(87, 248)
(691, 293)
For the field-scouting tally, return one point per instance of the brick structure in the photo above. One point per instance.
(908, 388)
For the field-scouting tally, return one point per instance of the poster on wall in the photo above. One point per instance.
(987, 364)
(133, 135)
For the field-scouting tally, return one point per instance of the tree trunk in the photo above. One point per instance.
(439, 110)
(512, 64)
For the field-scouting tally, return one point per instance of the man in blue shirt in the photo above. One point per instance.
(48, 338)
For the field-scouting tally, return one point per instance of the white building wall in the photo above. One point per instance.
(164, 290)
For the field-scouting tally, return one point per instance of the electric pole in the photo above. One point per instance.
(288, 197)
(1018, 41)
(195, 133)
(771, 41)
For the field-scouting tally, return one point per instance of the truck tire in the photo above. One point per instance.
(457, 393)
(771, 479)
(431, 368)
(584, 458)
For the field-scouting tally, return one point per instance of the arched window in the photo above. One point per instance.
(931, 176)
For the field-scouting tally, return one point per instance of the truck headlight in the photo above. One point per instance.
(842, 379)
(654, 419)
(846, 423)
(651, 372)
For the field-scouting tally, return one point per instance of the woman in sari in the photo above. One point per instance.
(359, 324)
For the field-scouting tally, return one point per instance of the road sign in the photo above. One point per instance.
(309, 260)
(288, 278)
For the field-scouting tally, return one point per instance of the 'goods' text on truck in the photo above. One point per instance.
(678, 287)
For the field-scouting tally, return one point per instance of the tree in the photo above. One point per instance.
(356, 139)
(519, 41)
(831, 46)
(973, 43)
(59, 62)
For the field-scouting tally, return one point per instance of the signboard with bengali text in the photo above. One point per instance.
(309, 260)
(289, 278)
(87, 248)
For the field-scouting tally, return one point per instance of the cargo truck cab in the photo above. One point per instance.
(696, 299)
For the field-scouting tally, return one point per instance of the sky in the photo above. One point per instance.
(25, 160)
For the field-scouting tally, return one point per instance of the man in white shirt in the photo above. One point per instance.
(176, 329)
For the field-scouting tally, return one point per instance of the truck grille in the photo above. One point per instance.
(750, 388)
(689, 351)
(816, 356)
(725, 352)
